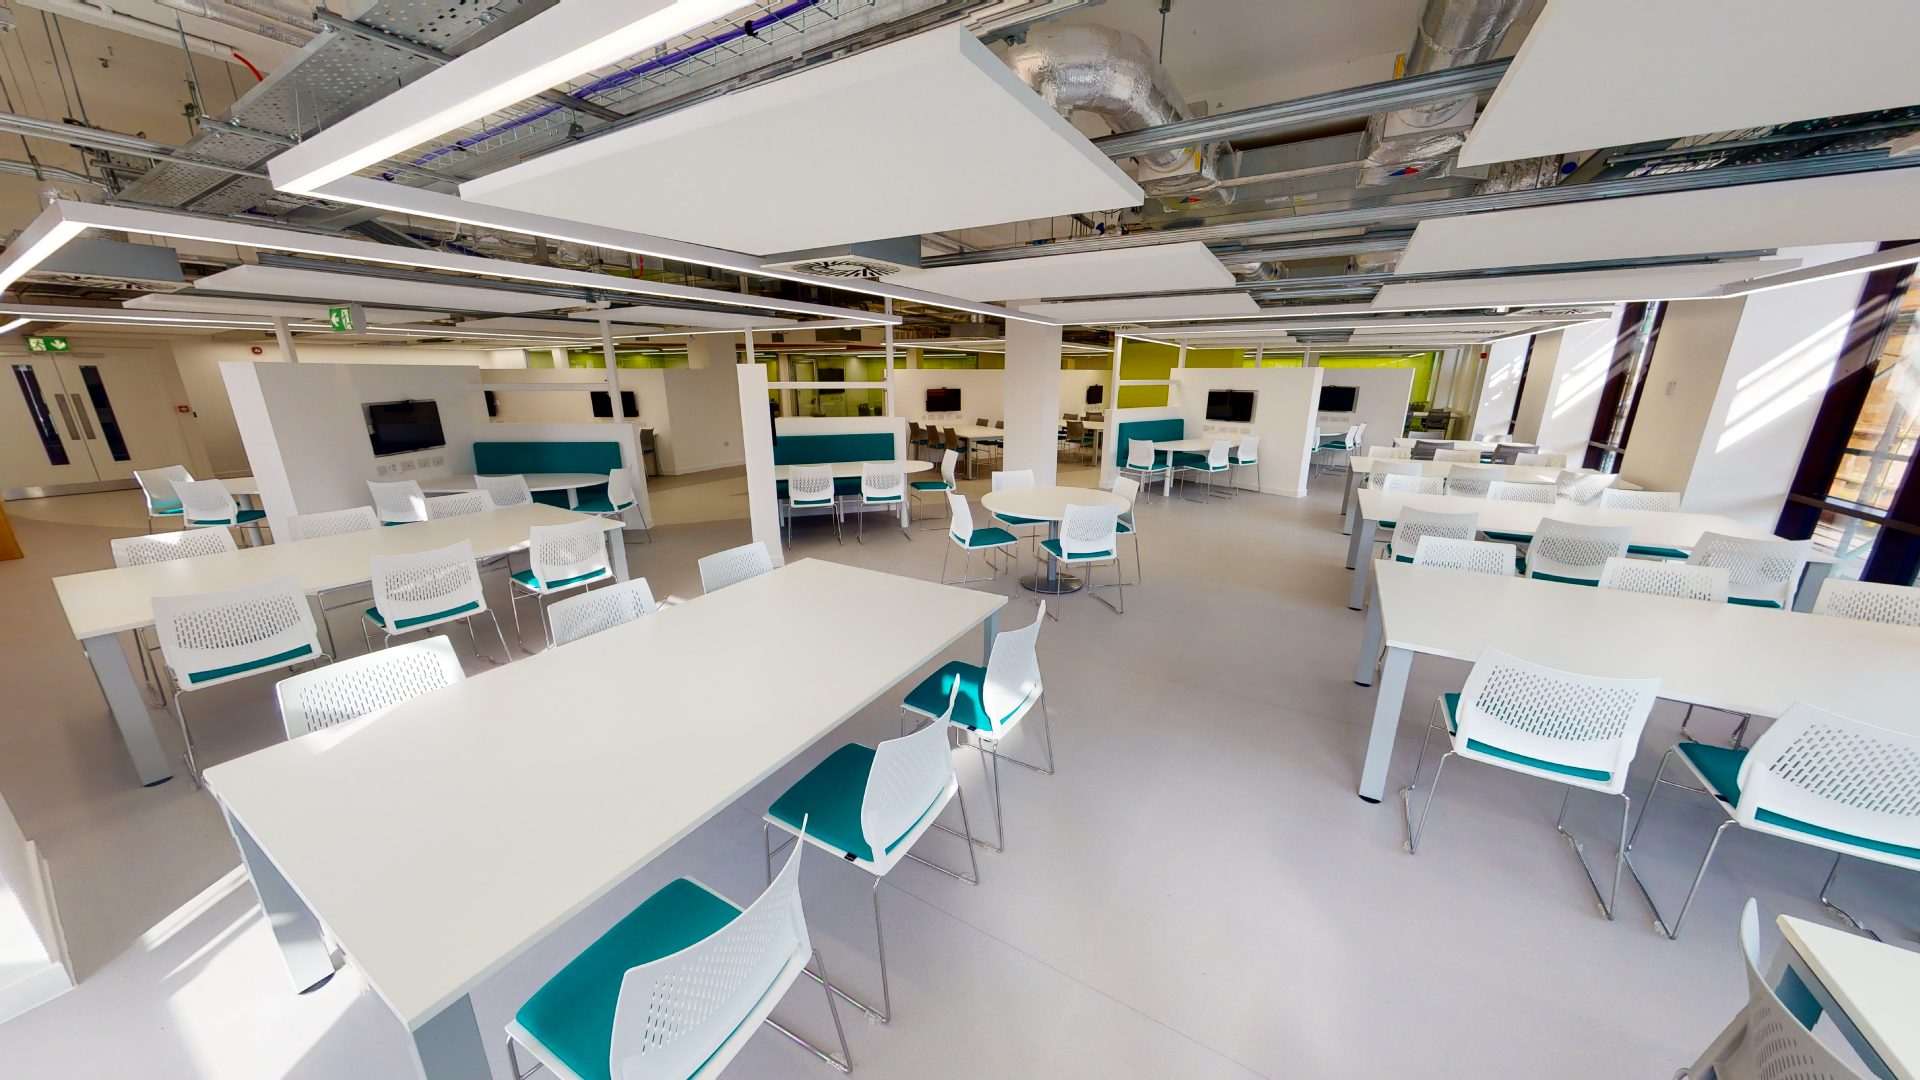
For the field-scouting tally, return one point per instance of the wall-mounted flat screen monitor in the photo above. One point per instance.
(603, 405)
(1231, 406)
(1095, 392)
(945, 399)
(1339, 398)
(401, 427)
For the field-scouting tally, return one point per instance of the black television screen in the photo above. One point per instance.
(401, 427)
(1094, 393)
(1339, 398)
(946, 399)
(1232, 406)
(603, 405)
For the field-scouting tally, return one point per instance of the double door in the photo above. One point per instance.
(84, 418)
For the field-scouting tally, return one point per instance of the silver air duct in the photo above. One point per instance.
(1416, 142)
(1113, 76)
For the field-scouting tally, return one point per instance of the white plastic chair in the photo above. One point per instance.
(459, 504)
(1406, 444)
(331, 523)
(1543, 461)
(1472, 481)
(600, 609)
(1577, 730)
(1664, 502)
(1413, 524)
(1089, 536)
(1005, 480)
(1869, 601)
(366, 684)
(1581, 489)
(810, 488)
(1215, 463)
(1384, 468)
(1508, 491)
(1412, 484)
(1390, 453)
(1129, 489)
(1666, 579)
(1143, 461)
(1574, 554)
(945, 485)
(559, 558)
(218, 637)
(398, 502)
(883, 486)
(734, 565)
(1765, 572)
(1471, 457)
(165, 547)
(206, 504)
(424, 589)
(156, 487)
(615, 503)
(510, 490)
(1476, 556)
(1248, 453)
(1814, 778)
(961, 531)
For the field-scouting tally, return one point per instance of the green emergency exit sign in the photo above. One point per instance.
(46, 344)
(348, 319)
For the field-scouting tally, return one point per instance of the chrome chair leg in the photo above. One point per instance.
(186, 736)
(1412, 842)
(1607, 903)
(1835, 908)
(844, 1063)
(1671, 930)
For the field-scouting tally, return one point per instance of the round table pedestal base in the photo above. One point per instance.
(1059, 586)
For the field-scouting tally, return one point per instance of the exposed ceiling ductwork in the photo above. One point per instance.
(1418, 141)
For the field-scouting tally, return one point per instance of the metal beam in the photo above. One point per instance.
(75, 135)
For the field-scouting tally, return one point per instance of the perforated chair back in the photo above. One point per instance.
(562, 556)
(1508, 491)
(600, 609)
(882, 481)
(351, 689)
(459, 504)
(1570, 552)
(909, 774)
(1139, 454)
(1129, 489)
(948, 461)
(331, 523)
(1764, 571)
(1390, 453)
(1218, 453)
(1012, 683)
(1385, 467)
(165, 547)
(1582, 489)
(1869, 601)
(216, 637)
(507, 491)
(1476, 556)
(810, 485)
(1858, 784)
(1773, 1044)
(1406, 444)
(1411, 484)
(425, 588)
(1411, 525)
(619, 490)
(1544, 461)
(1514, 709)
(1666, 579)
(961, 525)
(1470, 456)
(1248, 451)
(1089, 532)
(205, 503)
(1013, 478)
(399, 501)
(734, 565)
(156, 486)
(1665, 502)
(1472, 480)
(689, 1013)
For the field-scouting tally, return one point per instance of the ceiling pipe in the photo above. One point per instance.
(1418, 141)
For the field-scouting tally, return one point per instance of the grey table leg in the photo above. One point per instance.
(129, 708)
(988, 631)
(1370, 643)
(1386, 722)
(1812, 577)
(449, 1046)
(302, 943)
(1352, 511)
(252, 502)
(1360, 558)
(1353, 545)
(617, 552)
(1348, 487)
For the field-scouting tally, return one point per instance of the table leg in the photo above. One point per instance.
(449, 1046)
(1347, 495)
(1386, 722)
(1370, 643)
(988, 631)
(1053, 582)
(129, 708)
(1166, 486)
(1812, 577)
(251, 502)
(617, 552)
(303, 944)
(1361, 559)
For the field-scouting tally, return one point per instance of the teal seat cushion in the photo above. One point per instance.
(991, 537)
(1235, 458)
(159, 511)
(602, 505)
(1511, 538)
(1123, 527)
(1655, 552)
(1786, 822)
(880, 498)
(1186, 460)
(1720, 767)
(1745, 602)
(828, 800)
(932, 485)
(240, 518)
(525, 577)
(930, 697)
(276, 660)
(1453, 705)
(1011, 520)
(1157, 466)
(1053, 549)
(1537, 576)
(420, 620)
(572, 1015)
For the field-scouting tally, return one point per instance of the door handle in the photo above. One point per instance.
(86, 422)
(73, 432)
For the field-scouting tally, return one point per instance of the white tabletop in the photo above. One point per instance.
(109, 601)
(852, 468)
(449, 834)
(535, 481)
(1191, 446)
(1518, 474)
(1651, 528)
(1048, 503)
(1877, 984)
(241, 485)
(974, 431)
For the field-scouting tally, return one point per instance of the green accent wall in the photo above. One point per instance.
(1422, 365)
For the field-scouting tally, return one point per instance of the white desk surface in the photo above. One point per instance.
(1877, 984)
(461, 827)
(852, 468)
(1518, 474)
(535, 482)
(1048, 503)
(109, 601)
(1652, 528)
(974, 431)
(240, 485)
(1725, 656)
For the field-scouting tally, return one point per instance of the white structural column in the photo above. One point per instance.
(886, 392)
(1563, 394)
(285, 337)
(1032, 398)
(1500, 389)
(756, 443)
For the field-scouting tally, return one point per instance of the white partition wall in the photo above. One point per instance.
(33, 960)
(847, 425)
(1033, 399)
(1109, 467)
(1283, 418)
(1563, 387)
(1500, 387)
(756, 444)
(1380, 402)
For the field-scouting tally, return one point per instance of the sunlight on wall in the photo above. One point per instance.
(1783, 383)
(1584, 377)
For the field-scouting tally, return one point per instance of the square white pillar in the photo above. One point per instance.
(1032, 398)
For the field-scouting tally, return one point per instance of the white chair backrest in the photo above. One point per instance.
(908, 774)
(1477, 556)
(1837, 774)
(1414, 485)
(1665, 502)
(1088, 530)
(156, 485)
(948, 459)
(1129, 489)
(1535, 711)
(1508, 491)
(961, 527)
(1666, 579)
(734, 565)
(1457, 455)
(1389, 453)
(1139, 454)
(697, 1007)
(1012, 682)
(1012, 478)
(399, 501)
(331, 523)
(1218, 453)
(205, 501)
(810, 485)
(1566, 550)
(165, 547)
(1472, 480)
(424, 586)
(1763, 570)
(1249, 449)
(600, 609)
(619, 489)
(882, 480)
(1385, 467)
(1777, 1046)
(1406, 444)
(1869, 601)
(560, 555)
(1411, 524)
(1580, 488)
(1544, 461)
(351, 689)
(459, 504)
(217, 637)
(507, 490)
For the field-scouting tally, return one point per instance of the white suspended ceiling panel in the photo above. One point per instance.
(224, 305)
(1156, 268)
(1601, 73)
(927, 134)
(653, 315)
(322, 286)
(1139, 309)
(1793, 213)
(1600, 286)
(533, 328)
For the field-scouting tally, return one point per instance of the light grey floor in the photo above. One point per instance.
(1197, 892)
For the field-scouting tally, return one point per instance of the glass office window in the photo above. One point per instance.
(1881, 445)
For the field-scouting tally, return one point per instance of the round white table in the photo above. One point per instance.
(1049, 504)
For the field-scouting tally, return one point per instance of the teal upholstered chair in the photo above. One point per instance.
(1126, 525)
(946, 484)
(810, 491)
(1090, 536)
(206, 504)
(156, 487)
(559, 558)
(1764, 572)
(424, 589)
(1017, 478)
(969, 539)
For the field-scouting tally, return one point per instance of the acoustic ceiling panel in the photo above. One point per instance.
(1600, 286)
(226, 305)
(1157, 268)
(1141, 308)
(669, 316)
(320, 286)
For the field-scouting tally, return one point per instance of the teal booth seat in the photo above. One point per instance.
(507, 458)
(829, 449)
(1150, 430)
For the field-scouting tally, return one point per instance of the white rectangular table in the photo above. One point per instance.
(439, 840)
(1359, 467)
(103, 604)
(1188, 446)
(1870, 989)
(1723, 656)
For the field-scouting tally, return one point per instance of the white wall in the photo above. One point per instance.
(1573, 394)
(701, 429)
(1500, 386)
(982, 393)
(1683, 378)
(1032, 400)
(32, 952)
(1384, 394)
(1283, 418)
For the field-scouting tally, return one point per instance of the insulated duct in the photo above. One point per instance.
(1418, 141)
(1115, 77)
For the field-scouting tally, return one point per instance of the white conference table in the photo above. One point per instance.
(571, 483)
(1049, 504)
(1870, 989)
(1722, 656)
(974, 433)
(1359, 467)
(1188, 446)
(1651, 528)
(102, 604)
(440, 839)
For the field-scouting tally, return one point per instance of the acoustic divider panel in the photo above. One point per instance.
(501, 458)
